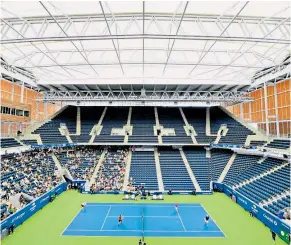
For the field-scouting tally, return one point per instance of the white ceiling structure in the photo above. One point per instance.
(194, 46)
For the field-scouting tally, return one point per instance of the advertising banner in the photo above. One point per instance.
(53, 145)
(230, 146)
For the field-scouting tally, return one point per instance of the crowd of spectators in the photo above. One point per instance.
(111, 173)
(80, 162)
(6, 209)
(32, 173)
(25, 176)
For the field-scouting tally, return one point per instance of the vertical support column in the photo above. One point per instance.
(9, 128)
(241, 111)
(208, 125)
(276, 110)
(22, 93)
(266, 109)
(184, 117)
(127, 170)
(45, 110)
(12, 91)
(36, 111)
(129, 116)
(160, 139)
(157, 117)
(250, 112)
(78, 122)
(20, 127)
(158, 170)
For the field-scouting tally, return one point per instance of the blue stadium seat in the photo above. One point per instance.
(143, 122)
(236, 134)
(267, 186)
(278, 205)
(80, 165)
(49, 132)
(256, 169)
(197, 118)
(9, 142)
(171, 118)
(240, 164)
(90, 116)
(174, 173)
(143, 170)
(200, 165)
(279, 144)
(114, 118)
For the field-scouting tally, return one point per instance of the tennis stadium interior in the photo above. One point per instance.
(188, 102)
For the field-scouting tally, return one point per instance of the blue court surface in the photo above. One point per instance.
(150, 220)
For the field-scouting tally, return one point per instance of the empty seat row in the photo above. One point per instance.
(143, 170)
(143, 122)
(257, 142)
(174, 173)
(170, 118)
(279, 144)
(257, 169)
(200, 165)
(9, 142)
(240, 164)
(236, 134)
(267, 186)
(280, 204)
(89, 116)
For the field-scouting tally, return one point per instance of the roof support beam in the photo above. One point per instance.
(224, 30)
(23, 37)
(151, 96)
(150, 63)
(147, 36)
(117, 54)
(65, 33)
(143, 26)
(177, 31)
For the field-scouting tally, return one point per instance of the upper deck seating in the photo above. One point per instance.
(236, 134)
(90, 116)
(197, 118)
(143, 122)
(171, 118)
(115, 117)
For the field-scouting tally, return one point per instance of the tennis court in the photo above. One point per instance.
(148, 220)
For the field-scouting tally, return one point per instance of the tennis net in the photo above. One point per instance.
(142, 216)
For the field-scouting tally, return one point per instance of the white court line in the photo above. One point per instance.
(105, 218)
(160, 237)
(169, 217)
(142, 204)
(214, 221)
(145, 231)
(181, 221)
(71, 221)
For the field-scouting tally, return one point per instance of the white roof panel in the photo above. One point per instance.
(202, 41)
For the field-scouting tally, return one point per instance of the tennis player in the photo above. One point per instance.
(83, 205)
(206, 219)
(120, 218)
(176, 207)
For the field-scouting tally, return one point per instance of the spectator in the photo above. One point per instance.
(111, 173)
(32, 173)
